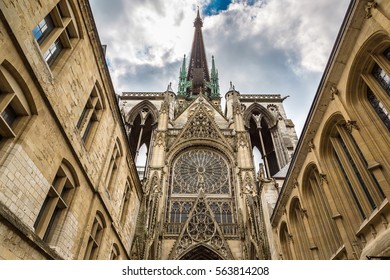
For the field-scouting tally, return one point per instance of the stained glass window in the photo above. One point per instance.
(200, 169)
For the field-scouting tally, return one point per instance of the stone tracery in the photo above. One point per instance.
(200, 168)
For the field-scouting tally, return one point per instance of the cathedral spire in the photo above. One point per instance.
(183, 83)
(198, 71)
(214, 83)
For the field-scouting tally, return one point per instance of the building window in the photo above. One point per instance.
(299, 230)
(361, 183)
(14, 107)
(350, 188)
(53, 51)
(56, 203)
(125, 204)
(377, 88)
(56, 31)
(379, 108)
(9, 115)
(386, 53)
(95, 238)
(113, 167)
(114, 252)
(382, 77)
(324, 231)
(90, 116)
(285, 242)
(43, 29)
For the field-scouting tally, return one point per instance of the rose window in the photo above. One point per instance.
(197, 169)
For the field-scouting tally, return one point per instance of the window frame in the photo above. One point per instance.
(90, 116)
(62, 33)
(12, 97)
(58, 200)
(125, 204)
(113, 167)
(95, 237)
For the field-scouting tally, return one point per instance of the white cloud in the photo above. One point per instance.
(271, 46)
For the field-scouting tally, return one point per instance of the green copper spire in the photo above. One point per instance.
(183, 83)
(214, 83)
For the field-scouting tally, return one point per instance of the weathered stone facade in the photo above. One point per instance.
(203, 196)
(334, 201)
(59, 126)
(69, 187)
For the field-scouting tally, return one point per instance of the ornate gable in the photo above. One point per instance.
(200, 124)
(201, 229)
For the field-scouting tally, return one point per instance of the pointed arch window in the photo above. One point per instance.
(320, 219)
(361, 184)
(302, 246)
(140, 123)
(14, 106)
(57, 202)
(95, 237)
(125, 206)
(285, 242)
(261, 124)
(113, 167)
(90, 116)
(175, 212)
(114, 252)
(376, 83)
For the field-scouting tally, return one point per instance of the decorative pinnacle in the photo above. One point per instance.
(169, 87)
(198, 21)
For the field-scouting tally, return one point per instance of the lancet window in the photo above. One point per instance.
(141, 123)
(260, 123)
(360, 182)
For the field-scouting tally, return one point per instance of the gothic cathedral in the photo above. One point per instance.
(206, 196)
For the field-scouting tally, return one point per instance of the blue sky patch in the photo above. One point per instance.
(215, 7)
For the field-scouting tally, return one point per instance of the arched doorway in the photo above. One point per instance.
(201, 253)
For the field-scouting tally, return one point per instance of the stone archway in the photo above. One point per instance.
(201, 253)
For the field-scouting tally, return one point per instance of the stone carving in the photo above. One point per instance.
(164, 108)
(311, 145)
(368, 7)
(201, 228)
(200, 126)
(350, 125)
(248, 187)
(242, 140)
(323, 178)
(160, 139)
(333, 91)
(237, 108)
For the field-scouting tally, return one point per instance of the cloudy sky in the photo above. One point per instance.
(262, 46)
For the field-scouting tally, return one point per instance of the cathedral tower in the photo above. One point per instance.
(203, 198)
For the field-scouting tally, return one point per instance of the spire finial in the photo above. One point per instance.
(198, 21)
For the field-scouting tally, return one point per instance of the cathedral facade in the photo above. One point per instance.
(202, 193)
(187, 174)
